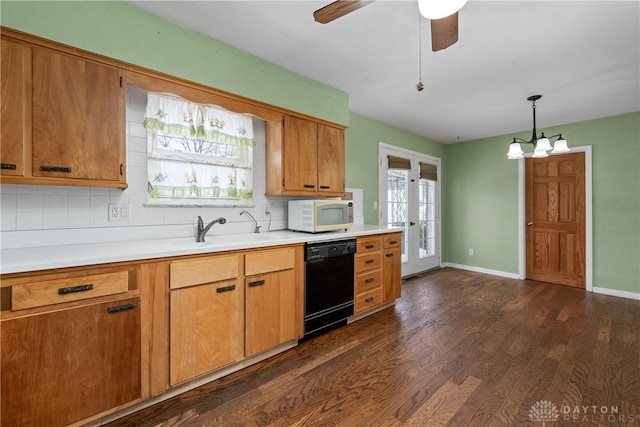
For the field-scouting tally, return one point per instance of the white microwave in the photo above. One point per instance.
(314, 216)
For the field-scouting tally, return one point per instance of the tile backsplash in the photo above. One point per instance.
(48, 215)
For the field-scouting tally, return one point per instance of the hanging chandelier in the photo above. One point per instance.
(542, 145)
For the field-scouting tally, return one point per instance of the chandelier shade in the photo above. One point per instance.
(515, 150)
(438, 9)
(560, 146)
(541, 146)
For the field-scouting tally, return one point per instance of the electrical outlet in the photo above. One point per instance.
(118, 212)
(470, 252)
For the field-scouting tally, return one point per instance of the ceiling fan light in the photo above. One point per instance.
(438, 9)
(543, 144)
(560, 146)
(515, 151)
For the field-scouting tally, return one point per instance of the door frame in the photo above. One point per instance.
(382, 198)
(588, 206)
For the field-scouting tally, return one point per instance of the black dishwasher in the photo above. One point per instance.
(328, 296)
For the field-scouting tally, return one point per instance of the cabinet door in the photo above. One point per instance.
(300, 154)
(391, 270)
(330, 159)
(270, 308)
(207, 325)
(61, 367)
(14, 73)
(78, 118)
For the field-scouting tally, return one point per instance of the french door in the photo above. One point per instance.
(410, 199)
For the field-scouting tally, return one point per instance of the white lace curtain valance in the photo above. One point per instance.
(197, 154)
(171, 114)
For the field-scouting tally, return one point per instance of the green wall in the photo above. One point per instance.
(480, 206)
(362, 138)
(481, 200)
(121, 31)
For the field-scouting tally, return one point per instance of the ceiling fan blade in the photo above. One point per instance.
(338, 9)
(444, 32)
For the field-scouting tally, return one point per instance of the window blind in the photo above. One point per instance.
(399, 163)
(428, 171)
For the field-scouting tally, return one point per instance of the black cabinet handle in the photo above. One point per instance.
(225, 289)
(309, 186)
(369, 280)
(368, 299)
(256, 283)
(393, 242)
(123, 307)
(72, 289)
(8, 166)
(369, 261)
(55, 169)
(325, 187)
(388, 255)
(369, 246)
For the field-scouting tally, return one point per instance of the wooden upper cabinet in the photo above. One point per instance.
(78, 122)
(300, 154)
(304, 158)
(330, 159)
(15, 106)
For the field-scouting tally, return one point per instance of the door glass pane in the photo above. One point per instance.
(427, 223)
(398, 202)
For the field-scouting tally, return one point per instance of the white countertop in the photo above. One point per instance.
(49, 257)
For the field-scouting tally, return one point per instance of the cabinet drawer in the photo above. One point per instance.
(368, 300)
(268, 261)
(368, 261)
(392, 240)
(56, 291)
(368, 244)
(368, 281)
(203, 270)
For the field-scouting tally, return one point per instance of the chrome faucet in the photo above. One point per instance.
(257, 229)
(202, 230)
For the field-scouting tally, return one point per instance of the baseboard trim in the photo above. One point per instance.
(617, 293)
(595, 289)
(482, 270)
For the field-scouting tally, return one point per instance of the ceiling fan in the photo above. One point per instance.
(442, 14)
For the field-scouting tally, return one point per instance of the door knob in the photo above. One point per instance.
(412, 223)
(529, 224)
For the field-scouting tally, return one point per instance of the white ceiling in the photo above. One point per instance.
(582, 56)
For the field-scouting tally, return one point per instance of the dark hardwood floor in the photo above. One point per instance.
(459, 349)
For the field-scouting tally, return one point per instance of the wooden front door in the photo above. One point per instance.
(555, 215)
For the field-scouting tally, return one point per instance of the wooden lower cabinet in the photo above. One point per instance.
(368, 271)
(206, 332)
(206, 316)
(377, 271)
(64, 366)
(224, 308)
(391, 267)
(271, 298)
(270, 308)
